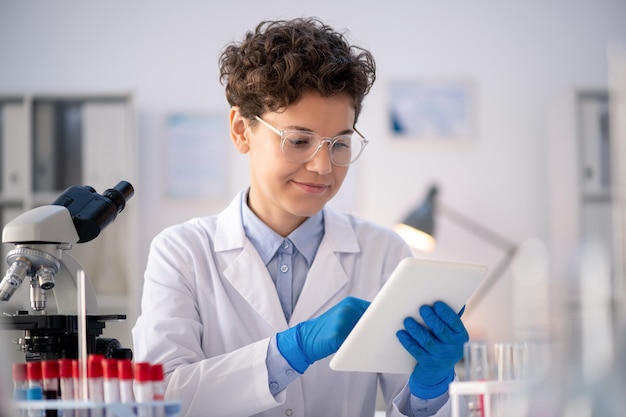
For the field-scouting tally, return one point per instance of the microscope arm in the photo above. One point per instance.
(66, 288)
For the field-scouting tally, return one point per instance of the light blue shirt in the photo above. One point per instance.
(288, 261)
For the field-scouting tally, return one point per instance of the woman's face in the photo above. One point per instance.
(283, 193)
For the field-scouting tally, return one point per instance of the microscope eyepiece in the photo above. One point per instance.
(120, 194)
(92, 212)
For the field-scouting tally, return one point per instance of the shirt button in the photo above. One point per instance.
(285, 245)
(288, 412)
(289, 372)
(284, 268)
(273, 385)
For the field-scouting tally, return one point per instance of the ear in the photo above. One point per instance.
(238, 130)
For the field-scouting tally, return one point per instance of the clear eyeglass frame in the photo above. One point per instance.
(334, 148)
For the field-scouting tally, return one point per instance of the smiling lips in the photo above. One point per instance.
(312, 187)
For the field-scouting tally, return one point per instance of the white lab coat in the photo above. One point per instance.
(209, 308)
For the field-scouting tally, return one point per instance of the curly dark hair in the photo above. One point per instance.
(280, 60)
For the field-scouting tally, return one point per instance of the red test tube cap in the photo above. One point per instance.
(124, 369)
(94, 366)
(94, 357)
(76, 371)
(109, 368)
(143, 372)
(157, 372)
(19, 371)
(33, 370)
(50, 369)
(65, 368)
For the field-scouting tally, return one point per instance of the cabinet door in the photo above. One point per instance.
(106, 160)
(596, 220)
(106, 142)
(595, 144)
(16, 149)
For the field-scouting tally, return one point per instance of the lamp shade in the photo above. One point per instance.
(418, 228)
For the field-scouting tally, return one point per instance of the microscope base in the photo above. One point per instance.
(56, 336)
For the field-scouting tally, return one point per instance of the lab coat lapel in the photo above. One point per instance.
(327, 275)
(245, 269)
(251, 279)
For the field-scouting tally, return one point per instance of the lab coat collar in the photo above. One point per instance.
(248, 274)
(229, 233)
(306, 238)
(339, 232)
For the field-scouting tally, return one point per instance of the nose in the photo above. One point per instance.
(321, 162)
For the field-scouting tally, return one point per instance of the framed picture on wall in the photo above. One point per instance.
(432, 109)
(196, 164)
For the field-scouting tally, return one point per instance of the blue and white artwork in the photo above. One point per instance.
(423, 109)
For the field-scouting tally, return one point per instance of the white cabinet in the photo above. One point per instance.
(15, 149)
(582, 161)
(49, 142)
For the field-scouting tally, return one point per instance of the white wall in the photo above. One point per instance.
(522, 55)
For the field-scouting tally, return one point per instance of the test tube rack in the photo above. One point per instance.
(170, 408)
(490, 392)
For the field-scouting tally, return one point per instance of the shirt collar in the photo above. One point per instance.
(306, 238)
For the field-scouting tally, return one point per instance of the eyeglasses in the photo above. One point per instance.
(301, 146)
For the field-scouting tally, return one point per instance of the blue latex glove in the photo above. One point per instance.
(437, 348)
(317, 338)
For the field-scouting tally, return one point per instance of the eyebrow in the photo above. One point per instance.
(306, 129)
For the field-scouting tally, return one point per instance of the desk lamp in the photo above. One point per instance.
(418, 230)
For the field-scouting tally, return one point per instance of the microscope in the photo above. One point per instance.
(42, 238)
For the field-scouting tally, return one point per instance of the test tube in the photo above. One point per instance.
(511, 361)
(78, 383)
(476, 360)
(125, 375)
(20, 382)
(79, 393)
(95, 382)
(111, 382)
(34, 391)
(50, 383)
(143, 388)
(158, 388)
(66, 384)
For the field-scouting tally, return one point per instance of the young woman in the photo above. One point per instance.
(244, 308)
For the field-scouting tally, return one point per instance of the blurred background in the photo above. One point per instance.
(511, 99)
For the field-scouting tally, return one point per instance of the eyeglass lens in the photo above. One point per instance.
(302, 146)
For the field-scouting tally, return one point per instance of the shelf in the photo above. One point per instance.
(170, 408)
(10, 201)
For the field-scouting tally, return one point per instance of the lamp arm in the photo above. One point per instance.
(497, 273)
(476, 228)
(493, 238)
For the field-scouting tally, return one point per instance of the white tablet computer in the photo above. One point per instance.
(372, 346)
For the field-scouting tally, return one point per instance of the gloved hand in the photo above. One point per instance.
(317, 338)
(437, 348)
